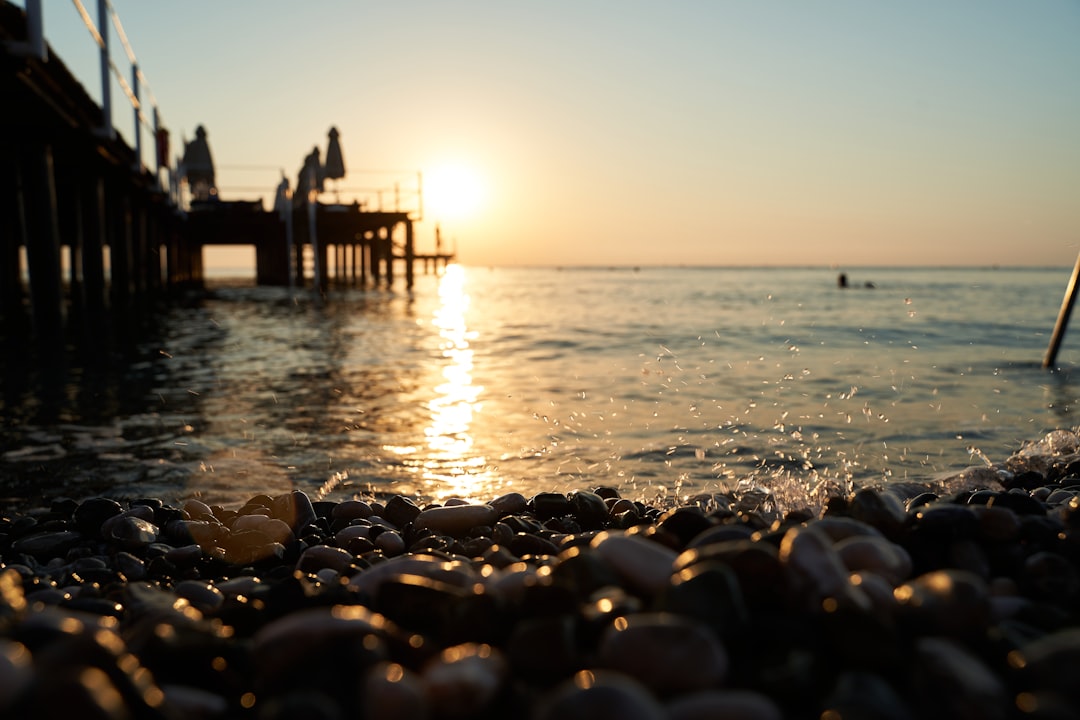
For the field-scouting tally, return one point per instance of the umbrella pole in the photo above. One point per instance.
(1063, 317)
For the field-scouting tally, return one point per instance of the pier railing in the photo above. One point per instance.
(397, 191)
(116, 71)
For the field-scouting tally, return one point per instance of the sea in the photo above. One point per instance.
(662, 382)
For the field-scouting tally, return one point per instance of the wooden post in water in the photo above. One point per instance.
(43, 243)
(388, 250)
(120, 233)
(376, 256)
(313, 237)
(410, 254)
(1063, 317)
(12, 232)
(92, 225)
(365, 257)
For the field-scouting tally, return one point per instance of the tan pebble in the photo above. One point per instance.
(276, 530)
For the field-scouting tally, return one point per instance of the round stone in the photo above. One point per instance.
(877, 555)
(601, 695)
(456, 520)
(666, 652)
(92, 514)
(734, 704)
(644, 564)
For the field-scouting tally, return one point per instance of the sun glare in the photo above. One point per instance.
(452, 192)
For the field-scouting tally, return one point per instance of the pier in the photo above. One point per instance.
(92, 235)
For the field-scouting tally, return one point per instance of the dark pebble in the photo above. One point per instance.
(92, 514)
(550, 505)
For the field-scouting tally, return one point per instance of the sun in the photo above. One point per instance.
(452, 192)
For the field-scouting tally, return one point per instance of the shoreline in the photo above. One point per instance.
(883, 603)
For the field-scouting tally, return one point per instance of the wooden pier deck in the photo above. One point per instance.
(89, 234)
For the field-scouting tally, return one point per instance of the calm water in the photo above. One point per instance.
(658, 381)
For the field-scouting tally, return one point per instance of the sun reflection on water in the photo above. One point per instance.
(451, 468)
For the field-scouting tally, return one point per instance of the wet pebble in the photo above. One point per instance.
(464, 680)
(456, 520)
(731, 704)
(645, 565)
(319, 557)
(877, 555)
(509, 504)
(393, 692)
(950, 602)
(668, 653)
(203, 596)
(601, 695)
(92, 513)
(974, 689)
(820, 577)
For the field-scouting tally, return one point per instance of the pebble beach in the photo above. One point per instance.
(946, 600)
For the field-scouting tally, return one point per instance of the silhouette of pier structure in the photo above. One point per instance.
(90, 235)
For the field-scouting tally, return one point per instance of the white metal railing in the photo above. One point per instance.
(135, 89)
(138, 84)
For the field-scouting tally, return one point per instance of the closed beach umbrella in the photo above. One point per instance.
(315, 164)
(199, 166)
(283, 199)
(303, 182)
(311, 170)
(334, 169)
(335, 163)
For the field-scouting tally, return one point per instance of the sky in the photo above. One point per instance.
(587, 132)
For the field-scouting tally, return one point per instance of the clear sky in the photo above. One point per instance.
(722, 132)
